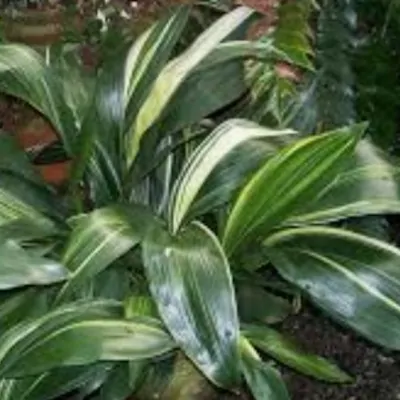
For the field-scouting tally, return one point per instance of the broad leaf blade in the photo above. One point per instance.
(370, 184)
(21, 198)
(207, 157)
(190, 280)
(23, 74)
(174, 74)
(217, 82)
(99, 239)
(148, 56)
(20, 305)
(264, 381)
(289, 353)
(79, 334)
(354, 278)
(50, 385)
(295, 175)
(18, 268)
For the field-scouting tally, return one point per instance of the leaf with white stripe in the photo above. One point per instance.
(79, 334)
(148, 56)
(369, 184)
(99, 239)
(51, 385)
(175, 73)
(214, 84)
(24, 74)
(294, 176)
(190, 281)
(208, 156)
(19, 268)
(356, 279)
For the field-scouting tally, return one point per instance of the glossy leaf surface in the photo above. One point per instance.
(264, 381)
(292, 177)
(99, 239)
(208, 155)
(356, 279)
(369, 184)
(19, 268)
(79, 334)
(191, 283)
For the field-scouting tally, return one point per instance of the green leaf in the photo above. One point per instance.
(191, 282)
(215, 83)
(354, 278)
(370, 184)
(148, 56)
(15, 307)
(18, 268)
(208, 155)
(120, 384)
(264, 381)
(122, 87)
(13, 158)
(79, 334)
(289, 353)
(50, 385)
(292, 177)
(99, 239)
(257, 305)
(174, 74)
(23, 74)
(22, 199)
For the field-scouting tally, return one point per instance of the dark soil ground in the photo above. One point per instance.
(376, 373)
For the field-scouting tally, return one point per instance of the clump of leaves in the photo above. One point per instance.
(154, 246)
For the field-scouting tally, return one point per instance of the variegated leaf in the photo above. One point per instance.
(355, 278)
(294, 176)
(174, 74)
(206, 158)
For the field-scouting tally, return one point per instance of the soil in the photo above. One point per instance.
(376, 373)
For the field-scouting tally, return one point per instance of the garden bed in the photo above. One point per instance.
(375, 372)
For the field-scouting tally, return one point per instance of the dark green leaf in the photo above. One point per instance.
(191, 282)
(356, 279)
(79, 334)
(264, 381)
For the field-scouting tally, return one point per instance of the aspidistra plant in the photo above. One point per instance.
(145, 260)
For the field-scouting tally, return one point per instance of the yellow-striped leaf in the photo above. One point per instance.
(207, 157)
(294, 176)
(369, 184)
(174, 74)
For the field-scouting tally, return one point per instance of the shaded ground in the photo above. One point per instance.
(376, 373)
